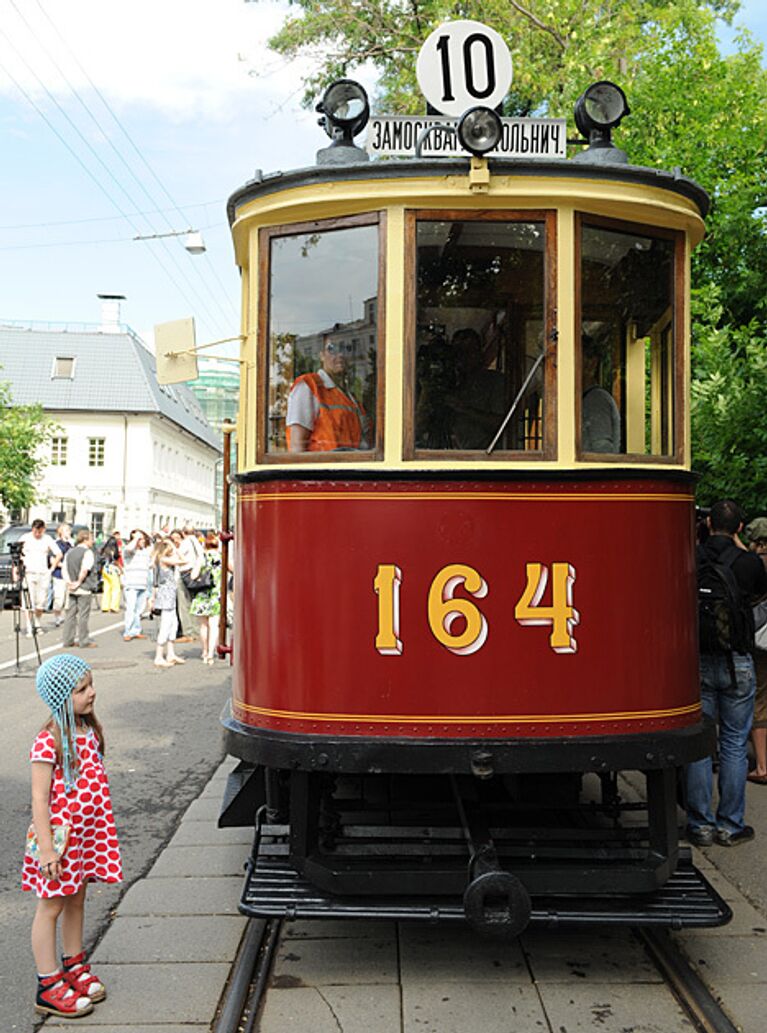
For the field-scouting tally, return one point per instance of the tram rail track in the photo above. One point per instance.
(694, 997)
(247, 977)
(250, 970)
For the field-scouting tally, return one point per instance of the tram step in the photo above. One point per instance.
(273, 889)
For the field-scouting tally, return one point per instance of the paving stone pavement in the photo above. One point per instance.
(166, 957)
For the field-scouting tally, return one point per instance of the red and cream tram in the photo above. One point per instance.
(458, 627)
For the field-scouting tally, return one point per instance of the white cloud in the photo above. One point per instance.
(184, 58)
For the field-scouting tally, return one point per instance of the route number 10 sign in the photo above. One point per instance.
(461, 65)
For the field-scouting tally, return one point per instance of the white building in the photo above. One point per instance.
(128, 452)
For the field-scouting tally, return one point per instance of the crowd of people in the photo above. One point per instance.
(172, 577)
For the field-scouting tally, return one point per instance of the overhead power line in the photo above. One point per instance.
(181, 270)
(107, 218)
(87, 242)
(98, 183)
(224, 318)
(134, 146)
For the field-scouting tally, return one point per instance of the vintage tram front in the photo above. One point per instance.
(453, 632)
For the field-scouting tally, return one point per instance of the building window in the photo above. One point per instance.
(97, 524)
(96, 451)
(59, 451)
(63, 368)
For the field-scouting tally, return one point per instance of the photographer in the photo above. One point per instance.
(40, 556)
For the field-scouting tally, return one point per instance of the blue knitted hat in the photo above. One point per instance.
(55, 683)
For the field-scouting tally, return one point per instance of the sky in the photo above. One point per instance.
(109, 111)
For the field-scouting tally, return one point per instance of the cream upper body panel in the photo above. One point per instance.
(658, 201)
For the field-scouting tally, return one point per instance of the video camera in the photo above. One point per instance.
(11, 577)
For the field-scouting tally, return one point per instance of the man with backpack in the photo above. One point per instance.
(730, 580)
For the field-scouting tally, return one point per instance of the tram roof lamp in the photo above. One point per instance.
(345, 110)
(479, 130)
(598, 110)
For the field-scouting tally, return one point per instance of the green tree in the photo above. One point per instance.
(556, 44)
(707, 114)
(729, 386)
(693, 108)
(24, 432)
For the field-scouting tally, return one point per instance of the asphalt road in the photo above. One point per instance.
(163, 742)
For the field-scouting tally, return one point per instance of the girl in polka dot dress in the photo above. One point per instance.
(69, 787)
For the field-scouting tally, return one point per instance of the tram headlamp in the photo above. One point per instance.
(600, 108)
(345, 111)
(479, 130)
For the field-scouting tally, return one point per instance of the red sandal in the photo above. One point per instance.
(81, 979)
(55, 996)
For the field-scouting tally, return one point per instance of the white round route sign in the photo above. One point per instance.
(461, 65)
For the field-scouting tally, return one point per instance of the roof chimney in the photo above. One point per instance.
(110, 312)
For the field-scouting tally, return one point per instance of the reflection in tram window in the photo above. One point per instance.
(323, 317)
(627, 342)
(479, 332)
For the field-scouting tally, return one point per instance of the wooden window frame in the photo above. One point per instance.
(549, 219)
(59, 450)
(678, 422)
(265, 236)
(97, 448)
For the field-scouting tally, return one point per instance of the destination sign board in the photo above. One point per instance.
(521, 137)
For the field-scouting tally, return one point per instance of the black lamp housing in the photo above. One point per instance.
(598, 110)
(345, 111)
(479, 131)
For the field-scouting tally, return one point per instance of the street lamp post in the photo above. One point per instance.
(194, 243)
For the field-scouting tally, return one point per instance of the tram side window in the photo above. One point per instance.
(479, 335)
(627, 342)
(323, 333)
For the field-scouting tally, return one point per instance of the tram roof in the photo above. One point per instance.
(264, 184)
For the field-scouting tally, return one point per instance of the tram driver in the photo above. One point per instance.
(323, 415)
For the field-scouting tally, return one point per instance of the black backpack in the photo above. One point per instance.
(725, 623)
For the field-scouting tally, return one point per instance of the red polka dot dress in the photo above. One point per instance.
(93, 853)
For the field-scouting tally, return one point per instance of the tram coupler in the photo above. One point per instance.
(495, 902)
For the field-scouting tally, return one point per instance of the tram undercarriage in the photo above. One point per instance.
(499, 851)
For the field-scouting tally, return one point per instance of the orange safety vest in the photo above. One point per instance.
(339, 421)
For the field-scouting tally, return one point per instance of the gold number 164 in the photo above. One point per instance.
(444, 609)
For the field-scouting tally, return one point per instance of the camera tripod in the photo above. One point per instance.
(21, 602)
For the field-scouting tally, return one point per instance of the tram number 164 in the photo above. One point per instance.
(459, 625)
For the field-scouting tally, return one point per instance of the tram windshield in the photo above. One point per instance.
(323, 340)
(627, 342)
(480, 328)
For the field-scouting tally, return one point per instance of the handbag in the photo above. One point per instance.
(60, 834)
(760, 638)
(202, 583)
